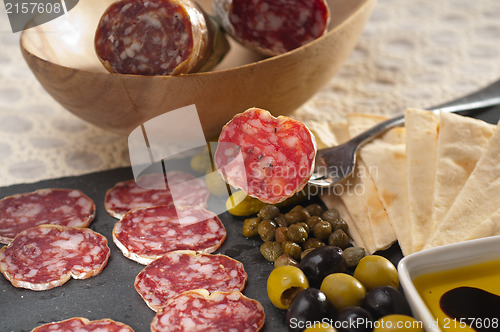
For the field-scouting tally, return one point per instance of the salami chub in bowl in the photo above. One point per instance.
(119, 83)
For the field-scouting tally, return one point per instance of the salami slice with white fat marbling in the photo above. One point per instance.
(268, 158)
(65, 207)
(181, 189)
(183, 270)
(196, 310)
(273, 27)
(47, 256)
(158, 37)
(145, 234)
(84, 325)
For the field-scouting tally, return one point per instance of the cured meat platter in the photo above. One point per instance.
(111, 294)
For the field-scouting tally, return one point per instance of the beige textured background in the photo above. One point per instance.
(413, 53)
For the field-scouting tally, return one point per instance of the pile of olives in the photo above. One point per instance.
(290, 236)
(320, 289)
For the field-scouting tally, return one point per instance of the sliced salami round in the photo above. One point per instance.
(47, 256)
(180, 189)
(268, 158)
(182, 270)
(196, 310)
(273, 27)
(157, 37)
(65, 207)
(84, 325)
(145, 234)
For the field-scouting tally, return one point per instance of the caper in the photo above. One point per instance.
(338, 238)
(267, 229)
(250, 227)
(292, 248)
(297, 214)
(268, 212)
(285, 259)
(322, 230)
(330, 215)
(353, 255)
(312, 243)
(297, 233)
(271, 250)
(314, 209)
(340, 224)
(306, 227)
(281, 220)
(280, 235)
(312, 221)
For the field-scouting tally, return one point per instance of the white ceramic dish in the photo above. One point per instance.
(442, 258)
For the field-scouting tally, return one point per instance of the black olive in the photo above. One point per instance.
(354, 319)
(385, 300)
(308, 306)
(321, 262)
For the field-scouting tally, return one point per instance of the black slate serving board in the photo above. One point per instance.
(111, 294)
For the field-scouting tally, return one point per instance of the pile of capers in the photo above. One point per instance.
(289, 236)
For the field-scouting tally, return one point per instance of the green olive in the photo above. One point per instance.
(314, 209)
(267, 229)
(268, 212)
(200, 162)
(297, 214)
(312, 243)
(374, 271)
(280, 234)
(250, 227)
(339, 238)
(284, 283)
(292, 248)
(343, 290)
(215, 183)
(330, 215)
(297, 233)
(322, 230)
(353, 255)
(285, 259)
(397, 322)
(271, 250)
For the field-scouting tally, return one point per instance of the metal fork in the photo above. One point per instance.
(337, 163)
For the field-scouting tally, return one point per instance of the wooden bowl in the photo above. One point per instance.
(61, 55)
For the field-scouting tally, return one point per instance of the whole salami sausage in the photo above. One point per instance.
(84, 325)
(183, 270)
(65, 207)
(145, 234)
(273, 27)
(47, 256)
(196, 310)
(158, 37)
(128, 195)
(268, 158)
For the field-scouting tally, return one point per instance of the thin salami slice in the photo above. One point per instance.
(157, 37)
(196, 310)
(145, 234)
(84, 325)
(127, 195)
(268, 158)
(182, 270)
(47, 256)
(273, 27)
(65, 207)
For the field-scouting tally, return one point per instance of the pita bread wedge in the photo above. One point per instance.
(386, 161)
(489, 227)
(476, 202)
(379, 224)
(421, 149)
(462, 141)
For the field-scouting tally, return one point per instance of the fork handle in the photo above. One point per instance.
(486, 97)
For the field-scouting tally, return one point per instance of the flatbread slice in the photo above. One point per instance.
(477, 201)
(462, 141)
(421, 149)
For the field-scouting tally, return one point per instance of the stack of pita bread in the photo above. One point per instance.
(433, 182)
